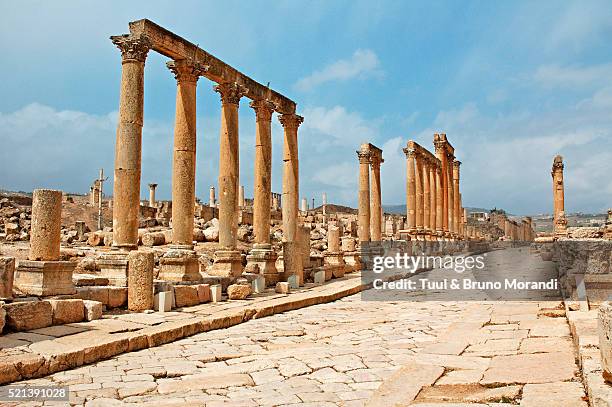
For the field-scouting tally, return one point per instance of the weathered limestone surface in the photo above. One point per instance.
(238, 291)
(26, 315)
(67, 311)
(140, 280)
(46, 225)
(604, 329)
(7, 275)
(364, 194)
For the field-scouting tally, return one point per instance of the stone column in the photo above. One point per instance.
(140, 281)
(432, 197)
(181, 263)
(440, 146)
(559, 219)
(227, 259)
(334, 260)
(291, 191)
(128, 147)
(275, 205)
(375, 200)
(43, 273)
(364, 195)
(211, 197)
(324, 204)
(304, 205)
(290, 197)
(152, 194)
(419, 193)
(262, 253)
(451, 196)
(241, 203)
(439, 203)
(457, 198)
(426, 198)
(410, 190)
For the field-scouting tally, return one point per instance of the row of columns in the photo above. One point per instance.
(433, 199)
(128, 159)
(370, 206)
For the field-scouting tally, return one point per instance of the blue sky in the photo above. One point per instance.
(511, 83)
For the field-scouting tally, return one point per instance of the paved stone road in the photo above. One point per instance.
(353, 353)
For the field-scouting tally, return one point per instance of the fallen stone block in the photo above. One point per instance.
(67, 311)
(23, 316)
(238, 291)
(99, 294)
(117, 297)
(319, 277)
(92, 309)
(282, 287)
(258, 285)
(604, 328)
(185, 296)
(203, 292)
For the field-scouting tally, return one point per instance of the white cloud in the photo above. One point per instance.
(556, 76)
(363, 64)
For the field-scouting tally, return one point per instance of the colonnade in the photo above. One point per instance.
(370, 206)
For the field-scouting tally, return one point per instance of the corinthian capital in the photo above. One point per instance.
(132, 48)
(290, 120)
(365, 157)
(186, 71)
(230, 92)
(410, 152)
(263, 109)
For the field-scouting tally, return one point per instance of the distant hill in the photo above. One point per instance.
(401, 209)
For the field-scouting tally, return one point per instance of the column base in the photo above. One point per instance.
(336, 262)
(114, 266)
(180, 263)
(292, 262)
(44, 278)
(228, 263)
(264, 257)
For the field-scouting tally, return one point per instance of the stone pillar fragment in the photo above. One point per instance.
(451, 196)
(426, 197)
(375, 198)
(457, 198)
(241, 202)
(419, 194)
(304, 205)
(559, 219)
(290, 123)
(128, 147)
(140, 280)
(410, 190)
(211, 197)
(152, 201)
(334, 260)
(7, 275)
(439, 203)
(432, 196)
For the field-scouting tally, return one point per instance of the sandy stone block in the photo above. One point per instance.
(2, 316)
(282, 287)
(566, 394)
(216, 293)
(530, 368)
(93, 310)
(319, 277)
(258, 285)
(117, 297)
(140, 280)
(404, 385)
(238, 291)
(67, 311)
(293, 282)
(185, 296)
(203, 292)
(604, 328)
(7, 275)
(27, 315)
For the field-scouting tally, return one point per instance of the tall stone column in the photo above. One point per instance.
(128, 147)
(227, 259)
(152, 201)
(419, 193)
(439, 203)
(432, 197)
(211, 197)
(559, 219)
(451, 196)
(324, 204)
(426, 198)
(181, 263)
(410, 190)
(375, 199)
(440, 147)
(457, 199)
(43, 273)
(291, 193)
(363, 230)
(262, 253)
(304, 205)
(241, 202)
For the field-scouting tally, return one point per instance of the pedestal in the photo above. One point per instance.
(336, 262)
(114, 266)
(352, 261)
(45, 278)
(180, 264)
(263, 255)
(228, 263)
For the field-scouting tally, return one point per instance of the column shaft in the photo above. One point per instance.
(419, 192)
(128, 146)
(410, 189)
(375, 197)
(364, 196)
(432, 196)
(451, 194)
(426, 196)
(263, 170)
(291, 190)
(457, 199)
(439, 201)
